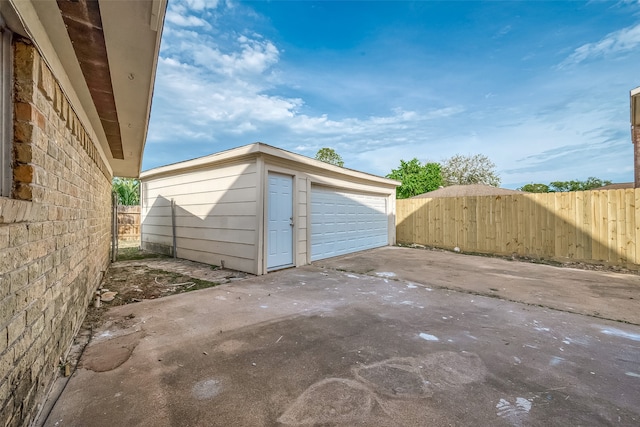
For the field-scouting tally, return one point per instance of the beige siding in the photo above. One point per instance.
(215, 214)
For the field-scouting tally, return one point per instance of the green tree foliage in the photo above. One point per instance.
(128, 191)
(471, 169)
(329, 155)
(416, 178)
(574, 185)
(561, 186)
(535, 188)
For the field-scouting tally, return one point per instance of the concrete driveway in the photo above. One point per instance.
(330, 345)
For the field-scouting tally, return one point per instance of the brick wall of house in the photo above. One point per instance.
(55, 233)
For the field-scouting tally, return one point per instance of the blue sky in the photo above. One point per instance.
(541, 88)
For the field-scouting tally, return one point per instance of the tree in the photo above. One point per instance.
(575, 185)
(329, 155)
(464, 170)
(535, 188)
(561, 186)
(416, 178)
(128, 191)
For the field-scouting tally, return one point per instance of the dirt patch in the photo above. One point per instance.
(136, 282)
(140, 275)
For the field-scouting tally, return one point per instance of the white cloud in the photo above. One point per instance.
(624, 40)
(184, 20)
(226, 83)
(255, 57)
(201, 4)
(189, 13)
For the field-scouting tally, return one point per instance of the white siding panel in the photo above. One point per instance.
(247, 237)
(234, 171)
(246, 180)
(213, 258)
(222, 209)
(236, 222)
(208, 197)
(157, 238)
(220, 249)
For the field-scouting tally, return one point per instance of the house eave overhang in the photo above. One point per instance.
(104, 54)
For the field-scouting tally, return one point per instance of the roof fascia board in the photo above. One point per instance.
(158, 14)
(268, 150)
(319, 165)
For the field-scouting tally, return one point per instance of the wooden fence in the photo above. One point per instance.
(128, 222)
(593, 226)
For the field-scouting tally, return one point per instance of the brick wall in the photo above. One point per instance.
(54, 236)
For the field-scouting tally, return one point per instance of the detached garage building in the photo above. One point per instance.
(258, 208)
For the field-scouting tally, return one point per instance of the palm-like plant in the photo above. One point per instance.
(128, 191)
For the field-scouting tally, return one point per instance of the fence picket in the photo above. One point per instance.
(602, 225)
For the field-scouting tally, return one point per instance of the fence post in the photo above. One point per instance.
(173, 227)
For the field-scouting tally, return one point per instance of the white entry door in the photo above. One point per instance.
(280, 222)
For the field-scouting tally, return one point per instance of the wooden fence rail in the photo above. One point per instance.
(592, 226)
(128, 222)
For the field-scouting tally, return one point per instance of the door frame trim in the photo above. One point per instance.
(268, 169)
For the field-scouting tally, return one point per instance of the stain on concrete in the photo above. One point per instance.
(109, 354)
(206, 389)
(428, 337)
(620, 333)
(230, 346)
(397, 377)
(452, 369)
(333, 400)
(338, 400)
(514, 412)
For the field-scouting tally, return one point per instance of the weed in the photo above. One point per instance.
(129, 254)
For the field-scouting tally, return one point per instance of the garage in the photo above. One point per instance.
(258, 208)
(343, 222)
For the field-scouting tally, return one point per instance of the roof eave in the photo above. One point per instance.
(255, 149)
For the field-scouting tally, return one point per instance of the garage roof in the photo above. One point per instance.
(259, 148)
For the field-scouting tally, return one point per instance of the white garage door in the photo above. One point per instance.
(344, 222)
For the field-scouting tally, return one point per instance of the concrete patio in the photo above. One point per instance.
(387, 337)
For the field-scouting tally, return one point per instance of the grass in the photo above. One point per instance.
(134, 253)
(177, 277)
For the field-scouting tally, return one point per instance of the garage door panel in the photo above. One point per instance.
(344, 222)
